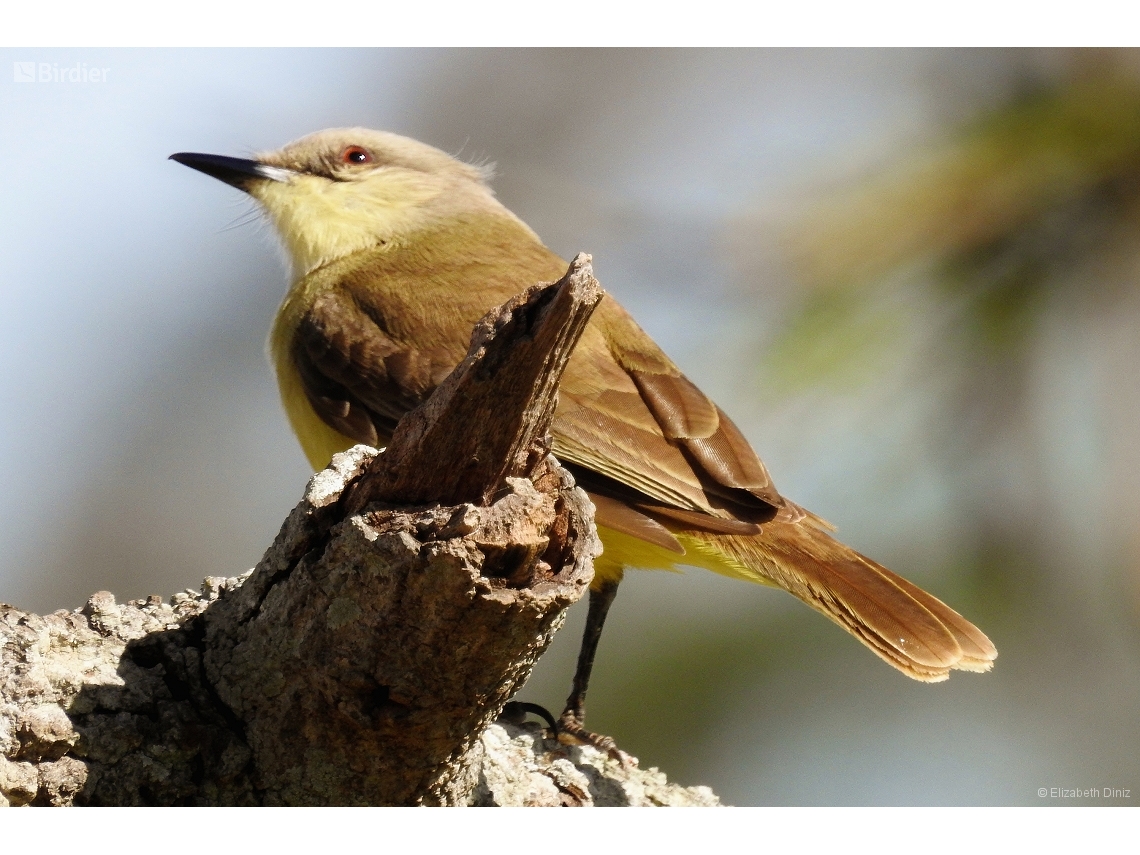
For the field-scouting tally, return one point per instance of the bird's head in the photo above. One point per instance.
(338, 191)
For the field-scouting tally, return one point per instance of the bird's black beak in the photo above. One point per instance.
(235, 171)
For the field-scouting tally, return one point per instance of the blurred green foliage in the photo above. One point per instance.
(991, 221)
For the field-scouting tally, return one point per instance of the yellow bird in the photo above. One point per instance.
(398, 249)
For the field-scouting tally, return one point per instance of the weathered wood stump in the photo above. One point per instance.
(364, 659)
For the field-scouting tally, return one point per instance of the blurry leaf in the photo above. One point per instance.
(1007, 170)
(839, 338)
(1002, 212)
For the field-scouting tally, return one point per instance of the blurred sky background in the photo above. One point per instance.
(910, 276)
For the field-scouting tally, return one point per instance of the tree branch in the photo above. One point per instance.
(363, 660)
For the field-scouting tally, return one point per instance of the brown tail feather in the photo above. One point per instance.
(907, 627)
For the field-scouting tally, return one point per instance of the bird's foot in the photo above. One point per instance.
(571, 732)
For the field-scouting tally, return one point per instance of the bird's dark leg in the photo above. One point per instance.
(600, 602)
(570, 725)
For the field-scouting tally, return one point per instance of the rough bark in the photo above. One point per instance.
(489, 419)
(364, 659)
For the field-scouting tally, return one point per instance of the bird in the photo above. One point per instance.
(397, 249)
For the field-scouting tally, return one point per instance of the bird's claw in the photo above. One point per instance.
(515, 712)
(571, 732)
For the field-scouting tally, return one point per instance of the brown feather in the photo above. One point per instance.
(681, 409)
(619, 516)
(728, 457)
(904, 625)
(696, 521)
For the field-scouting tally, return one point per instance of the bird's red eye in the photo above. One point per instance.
(355, 154)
